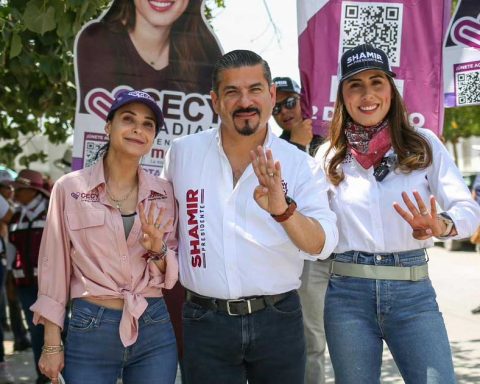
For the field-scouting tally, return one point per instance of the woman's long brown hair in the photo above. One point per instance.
(412, 149)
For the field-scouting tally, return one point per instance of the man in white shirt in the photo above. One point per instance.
(246, 223)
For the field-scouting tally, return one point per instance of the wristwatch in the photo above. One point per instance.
(447, 220)
(292, 206)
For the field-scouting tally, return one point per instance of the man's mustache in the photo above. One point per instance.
(246, 110)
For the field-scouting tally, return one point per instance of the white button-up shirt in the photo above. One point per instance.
(366, 218)
(228, 246)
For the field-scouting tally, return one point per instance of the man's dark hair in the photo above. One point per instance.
(236, 59)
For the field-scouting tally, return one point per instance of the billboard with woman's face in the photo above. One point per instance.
(164, 48)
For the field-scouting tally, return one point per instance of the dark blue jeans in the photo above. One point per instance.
(265, 347)
(94, 352)
(361, 313)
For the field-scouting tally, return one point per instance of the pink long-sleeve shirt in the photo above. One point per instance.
(84, 251)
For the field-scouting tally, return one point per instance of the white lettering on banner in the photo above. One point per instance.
(184, 113)
(191, 107)
(416, 119)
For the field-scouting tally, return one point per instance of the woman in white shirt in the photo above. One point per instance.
(386, 180)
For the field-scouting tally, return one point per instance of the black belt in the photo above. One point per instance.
(236, 307)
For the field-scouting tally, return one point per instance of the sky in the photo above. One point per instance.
(246, 24)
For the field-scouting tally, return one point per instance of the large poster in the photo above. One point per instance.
(461, 57)
(166, 49)
(409, 31)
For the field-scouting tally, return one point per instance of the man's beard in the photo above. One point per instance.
(247, 129)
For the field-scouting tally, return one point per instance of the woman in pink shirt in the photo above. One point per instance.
(109, 246)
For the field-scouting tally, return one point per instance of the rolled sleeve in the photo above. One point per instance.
(54, 266)
(450, 190)
(47, 308)
(312, 195)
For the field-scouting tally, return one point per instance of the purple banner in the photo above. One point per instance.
(409, 31)
(461, 56)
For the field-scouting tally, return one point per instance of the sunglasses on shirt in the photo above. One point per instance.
(288, 103)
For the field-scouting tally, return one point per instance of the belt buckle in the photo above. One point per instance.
(249, 307)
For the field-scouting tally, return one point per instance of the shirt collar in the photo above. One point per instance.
(146, 185)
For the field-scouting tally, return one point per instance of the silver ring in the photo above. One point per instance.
(271, 174)
(156, 225)
(424, 213)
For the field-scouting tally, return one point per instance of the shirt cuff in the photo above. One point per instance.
(331, 240)
(47, 308)
(171, 274)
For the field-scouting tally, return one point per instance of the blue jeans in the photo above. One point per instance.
(94, 352)
(265, 347)
(361, 313)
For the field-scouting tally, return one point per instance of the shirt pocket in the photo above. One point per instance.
(86, 218)
(263, 228)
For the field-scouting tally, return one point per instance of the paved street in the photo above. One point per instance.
(455, 276)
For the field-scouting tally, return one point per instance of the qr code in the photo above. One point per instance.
(379, 24)
(468, 88)
(91, 150)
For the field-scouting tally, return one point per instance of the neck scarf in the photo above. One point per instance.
(368, 145)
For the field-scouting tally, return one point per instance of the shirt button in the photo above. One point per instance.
(378, 258)
(124, 257)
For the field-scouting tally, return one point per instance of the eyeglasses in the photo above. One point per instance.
(289, 103)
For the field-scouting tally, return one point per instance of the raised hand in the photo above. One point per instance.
(153, 228)
(302, 133)
(424, 223)
(269, 194)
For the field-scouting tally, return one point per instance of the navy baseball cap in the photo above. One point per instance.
(362, 58)
(286, 84)
(136, 96)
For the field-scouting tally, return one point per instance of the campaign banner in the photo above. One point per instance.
(165, 49)
(409, 31)
(461, 56)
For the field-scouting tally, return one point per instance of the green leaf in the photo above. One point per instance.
(37, 19)
(16, 46)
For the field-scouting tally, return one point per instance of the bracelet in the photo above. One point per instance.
(154, 256)
(449, 225)
(52, 349)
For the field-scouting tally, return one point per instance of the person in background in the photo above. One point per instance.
(246, 224)
(476, 237)
(288, 115)
(109, 246)
(5, 216)
(386, 178)
(315, 275)
(25, 233)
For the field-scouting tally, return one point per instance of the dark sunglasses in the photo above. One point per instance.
(289, 103)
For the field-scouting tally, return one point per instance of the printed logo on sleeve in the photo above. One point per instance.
(157, 195)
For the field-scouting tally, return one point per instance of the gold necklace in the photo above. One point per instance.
(121, 200)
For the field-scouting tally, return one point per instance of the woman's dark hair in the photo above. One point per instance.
(236, 59)
(413, 150)
(188, 61)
